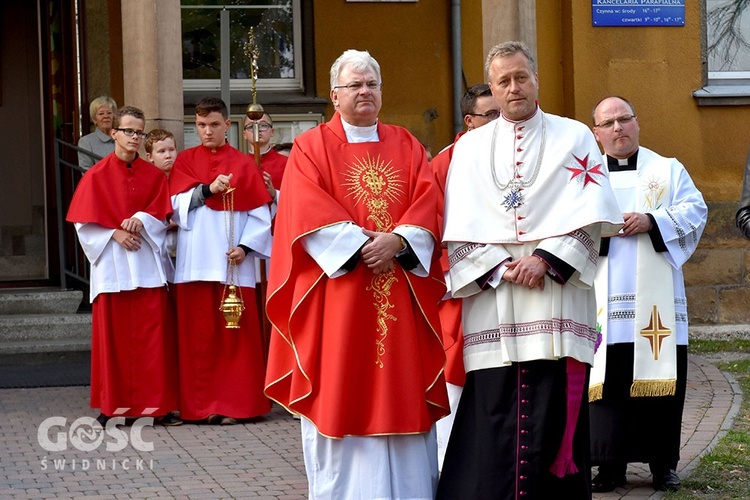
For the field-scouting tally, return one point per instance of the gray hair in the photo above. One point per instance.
(358, 60)
(509, 48)
(103, 100)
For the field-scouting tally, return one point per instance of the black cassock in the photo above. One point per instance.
(644, 429)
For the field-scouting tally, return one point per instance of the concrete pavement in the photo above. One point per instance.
(45, 458)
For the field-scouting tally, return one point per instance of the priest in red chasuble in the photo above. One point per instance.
(218, 239)
(120, 210)
(354, 287)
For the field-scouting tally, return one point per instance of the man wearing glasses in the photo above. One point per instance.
(353, 293)
(640, 370)
(120, 210)
(526, 200)
(272, 163)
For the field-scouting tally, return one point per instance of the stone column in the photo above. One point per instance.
(504, 20)
(152, 62)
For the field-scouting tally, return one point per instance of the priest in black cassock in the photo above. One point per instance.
(637, 384)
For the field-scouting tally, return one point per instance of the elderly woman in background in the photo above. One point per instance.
(99, 142)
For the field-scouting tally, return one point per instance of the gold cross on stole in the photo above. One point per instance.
(655, 332)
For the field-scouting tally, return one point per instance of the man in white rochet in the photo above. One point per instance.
(640, 369)
(527, 199)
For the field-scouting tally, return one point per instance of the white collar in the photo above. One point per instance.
(251, 151)
(360, 134)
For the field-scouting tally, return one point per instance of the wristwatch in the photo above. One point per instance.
(404, 247)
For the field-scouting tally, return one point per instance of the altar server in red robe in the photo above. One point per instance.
(221, 369)
(120, 210)
(272, 163)
(353, 292)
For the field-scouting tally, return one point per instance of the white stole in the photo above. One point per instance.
(655, 339)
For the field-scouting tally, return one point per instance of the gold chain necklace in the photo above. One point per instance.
(514, 199)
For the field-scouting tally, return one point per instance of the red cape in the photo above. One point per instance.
(273, 163)
(360, 354)
(450, 310)
(114, 190)
(199, 165)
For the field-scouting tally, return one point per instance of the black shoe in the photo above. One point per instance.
(667, 481)
(101, 422)
(169, 420)
(604, 482)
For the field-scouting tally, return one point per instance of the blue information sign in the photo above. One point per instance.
(638, 12)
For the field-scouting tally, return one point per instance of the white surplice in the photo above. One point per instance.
(115, 269)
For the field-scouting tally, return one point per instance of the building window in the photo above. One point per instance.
(728, 33)
(277, 30)
(728, 54)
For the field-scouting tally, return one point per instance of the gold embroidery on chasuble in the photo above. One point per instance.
(375, 183)
(655, 332)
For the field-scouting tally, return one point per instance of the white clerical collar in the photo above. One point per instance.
(357, 134)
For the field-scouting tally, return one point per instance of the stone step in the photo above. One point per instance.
(719, 332)
(25, 301)
(44, 333)
(13, 349)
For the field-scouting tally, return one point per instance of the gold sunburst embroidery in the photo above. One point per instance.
(375, 183)
(654, 190)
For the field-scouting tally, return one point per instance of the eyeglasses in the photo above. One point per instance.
(622, 120)
(357, 86)
(492, 114)
(139, 134)
(262, 126)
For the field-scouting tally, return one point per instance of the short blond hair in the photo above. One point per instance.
(103, 100)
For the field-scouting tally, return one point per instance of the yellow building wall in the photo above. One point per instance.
(472, 51)
(657, 68)
(412, 43)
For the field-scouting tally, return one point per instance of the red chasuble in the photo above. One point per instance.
(114, 190)
(199, 165)
(360, 354)
(450, 310)
(133, 345)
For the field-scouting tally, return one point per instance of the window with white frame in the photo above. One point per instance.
(728, 41)
(277, 30)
